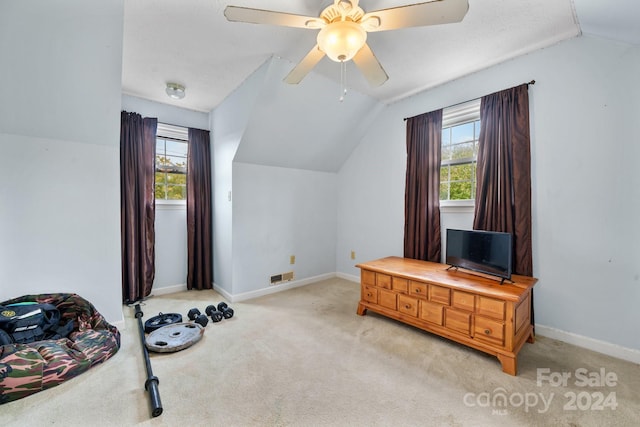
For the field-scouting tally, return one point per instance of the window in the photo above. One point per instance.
(171, 162)
(460, 133)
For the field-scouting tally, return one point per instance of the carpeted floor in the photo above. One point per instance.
(304, 358)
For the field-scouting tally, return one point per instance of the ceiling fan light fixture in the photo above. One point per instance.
(175, 90)
(341, 40)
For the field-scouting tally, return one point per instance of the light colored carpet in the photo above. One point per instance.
(304, 358)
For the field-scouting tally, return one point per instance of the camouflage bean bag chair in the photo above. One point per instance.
(27, 368)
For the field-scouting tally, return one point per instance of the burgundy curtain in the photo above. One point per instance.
(199, 234)
(137, 204)
(422, 187)
(503, 198)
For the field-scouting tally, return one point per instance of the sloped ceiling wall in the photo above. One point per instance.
(304, 126)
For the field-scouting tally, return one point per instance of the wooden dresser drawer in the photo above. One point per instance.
(439, 294)
(488, 330)
(387, 299)
(408, 305)
(400, 285)
(383, 281)
(368, 277)
(490, 307)
(458, 321)
(369, 294)
(417, 289)
(463, 300)
(431, 312)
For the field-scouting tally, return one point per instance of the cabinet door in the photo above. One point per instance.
(431, 312)
(439, 294)
(488, 330)
(408, 305)
(368, 277)
(417, 289)
(387, 299)
(458, 321)
(369, 294)
(463, 300)
(383, 281)
(400, 285)
(490, 307)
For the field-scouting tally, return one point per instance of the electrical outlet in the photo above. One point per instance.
(353, 254)
(292, 259)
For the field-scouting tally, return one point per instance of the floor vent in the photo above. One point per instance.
(282, 277)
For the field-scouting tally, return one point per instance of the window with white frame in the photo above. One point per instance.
(460, 133)
(171, 162)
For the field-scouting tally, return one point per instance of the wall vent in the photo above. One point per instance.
(282, 277)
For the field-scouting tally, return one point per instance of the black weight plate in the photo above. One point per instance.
(162, 319)
(222, 306)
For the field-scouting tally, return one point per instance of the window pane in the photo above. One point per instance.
(463, 151)
(444, 173)
(176, 178)
(159, 190)
(460, 190)
(462, 133)
(176, 192)
(175, 148)
(159, 146)
(444, 191)
(446, 136)
(462, 172)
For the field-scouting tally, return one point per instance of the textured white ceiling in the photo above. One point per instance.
(190, 42)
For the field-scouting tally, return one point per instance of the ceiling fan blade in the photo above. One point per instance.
(368, 64)
(415, 15)
(259, 16)
(302, 69)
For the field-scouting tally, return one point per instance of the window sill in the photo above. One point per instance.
(165, 205)
(457, 206)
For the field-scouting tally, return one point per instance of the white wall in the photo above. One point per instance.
(586, 233)
(228, 122)
(279, 212)
(59, 139)
(171, 220)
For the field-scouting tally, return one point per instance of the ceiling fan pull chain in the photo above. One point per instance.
(343, 80)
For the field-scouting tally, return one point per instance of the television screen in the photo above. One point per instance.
(483, 251)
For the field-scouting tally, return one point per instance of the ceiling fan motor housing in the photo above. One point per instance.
(341, 40)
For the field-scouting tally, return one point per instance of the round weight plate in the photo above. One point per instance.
(174, 337)
(162, 319)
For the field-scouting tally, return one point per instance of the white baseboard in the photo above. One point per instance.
(349, 277)
(276, 288)
(169, 289)
(603, 347)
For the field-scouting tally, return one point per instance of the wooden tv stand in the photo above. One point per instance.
(471, 309)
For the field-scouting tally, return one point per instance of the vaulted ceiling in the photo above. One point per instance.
(305, 126)
(190, 42)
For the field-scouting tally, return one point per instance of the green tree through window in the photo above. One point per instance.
(171, 164)
(460, 133)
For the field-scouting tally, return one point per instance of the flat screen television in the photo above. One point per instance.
(483, 251)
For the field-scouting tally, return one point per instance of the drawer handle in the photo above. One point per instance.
(407, 306)
(369, 294)
(418, 291)
(487, 331)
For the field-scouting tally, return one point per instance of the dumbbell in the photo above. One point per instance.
(215, 314)
(195, 315)
(227, 312)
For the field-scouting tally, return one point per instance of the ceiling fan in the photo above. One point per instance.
(343, 30)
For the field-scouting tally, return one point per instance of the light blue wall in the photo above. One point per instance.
(171, 220)
(586, 233)
(59, 138)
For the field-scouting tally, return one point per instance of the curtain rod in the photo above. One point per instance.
(532, 82)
